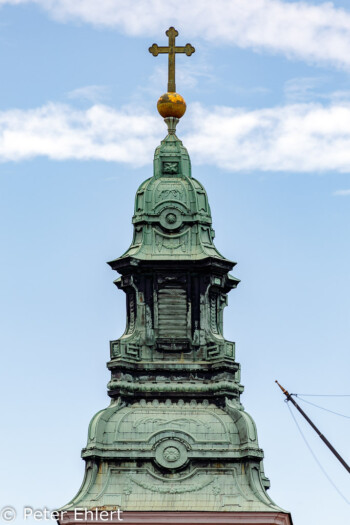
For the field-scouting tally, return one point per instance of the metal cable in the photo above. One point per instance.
(318, 406)
(322, 395)
(315, 457)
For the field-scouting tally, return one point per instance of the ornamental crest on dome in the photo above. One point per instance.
(169, 191)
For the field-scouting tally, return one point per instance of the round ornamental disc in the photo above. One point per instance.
(170, 219)
(171, 454)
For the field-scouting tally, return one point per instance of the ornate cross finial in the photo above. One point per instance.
(171, 49)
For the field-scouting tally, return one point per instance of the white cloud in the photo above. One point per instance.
(307, 89)
(93, 93)
(317, 33)
(61, 132)
(339, 96)
(296, 138)
(341, 193)
(299, 137)
(304, 89)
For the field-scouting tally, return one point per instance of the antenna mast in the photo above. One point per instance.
(324, 439)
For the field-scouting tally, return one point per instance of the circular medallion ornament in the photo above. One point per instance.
(171, 454)
(170, 219)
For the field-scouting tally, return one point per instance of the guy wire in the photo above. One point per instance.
(318, 406)
(322, 395)
(315, 457)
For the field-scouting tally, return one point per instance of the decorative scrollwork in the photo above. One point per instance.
(172, 488)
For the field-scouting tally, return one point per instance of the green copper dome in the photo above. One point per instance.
(172, 216)
(174, 438)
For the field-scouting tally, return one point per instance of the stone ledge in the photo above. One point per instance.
(184, 518)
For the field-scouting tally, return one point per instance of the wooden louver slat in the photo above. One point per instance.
(172, 312)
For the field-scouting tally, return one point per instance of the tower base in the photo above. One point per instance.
(98, 517)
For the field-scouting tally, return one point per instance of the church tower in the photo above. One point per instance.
(175, 444)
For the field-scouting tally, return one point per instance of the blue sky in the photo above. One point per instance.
(268, 131)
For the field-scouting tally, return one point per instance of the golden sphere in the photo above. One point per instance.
(171, 105)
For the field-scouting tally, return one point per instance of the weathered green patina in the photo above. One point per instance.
(175, 436)
(172, 216)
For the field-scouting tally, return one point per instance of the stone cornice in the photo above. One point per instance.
(185, 518)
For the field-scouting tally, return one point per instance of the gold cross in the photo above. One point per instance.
(171, 49)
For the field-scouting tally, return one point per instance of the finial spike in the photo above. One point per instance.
(286, 393)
